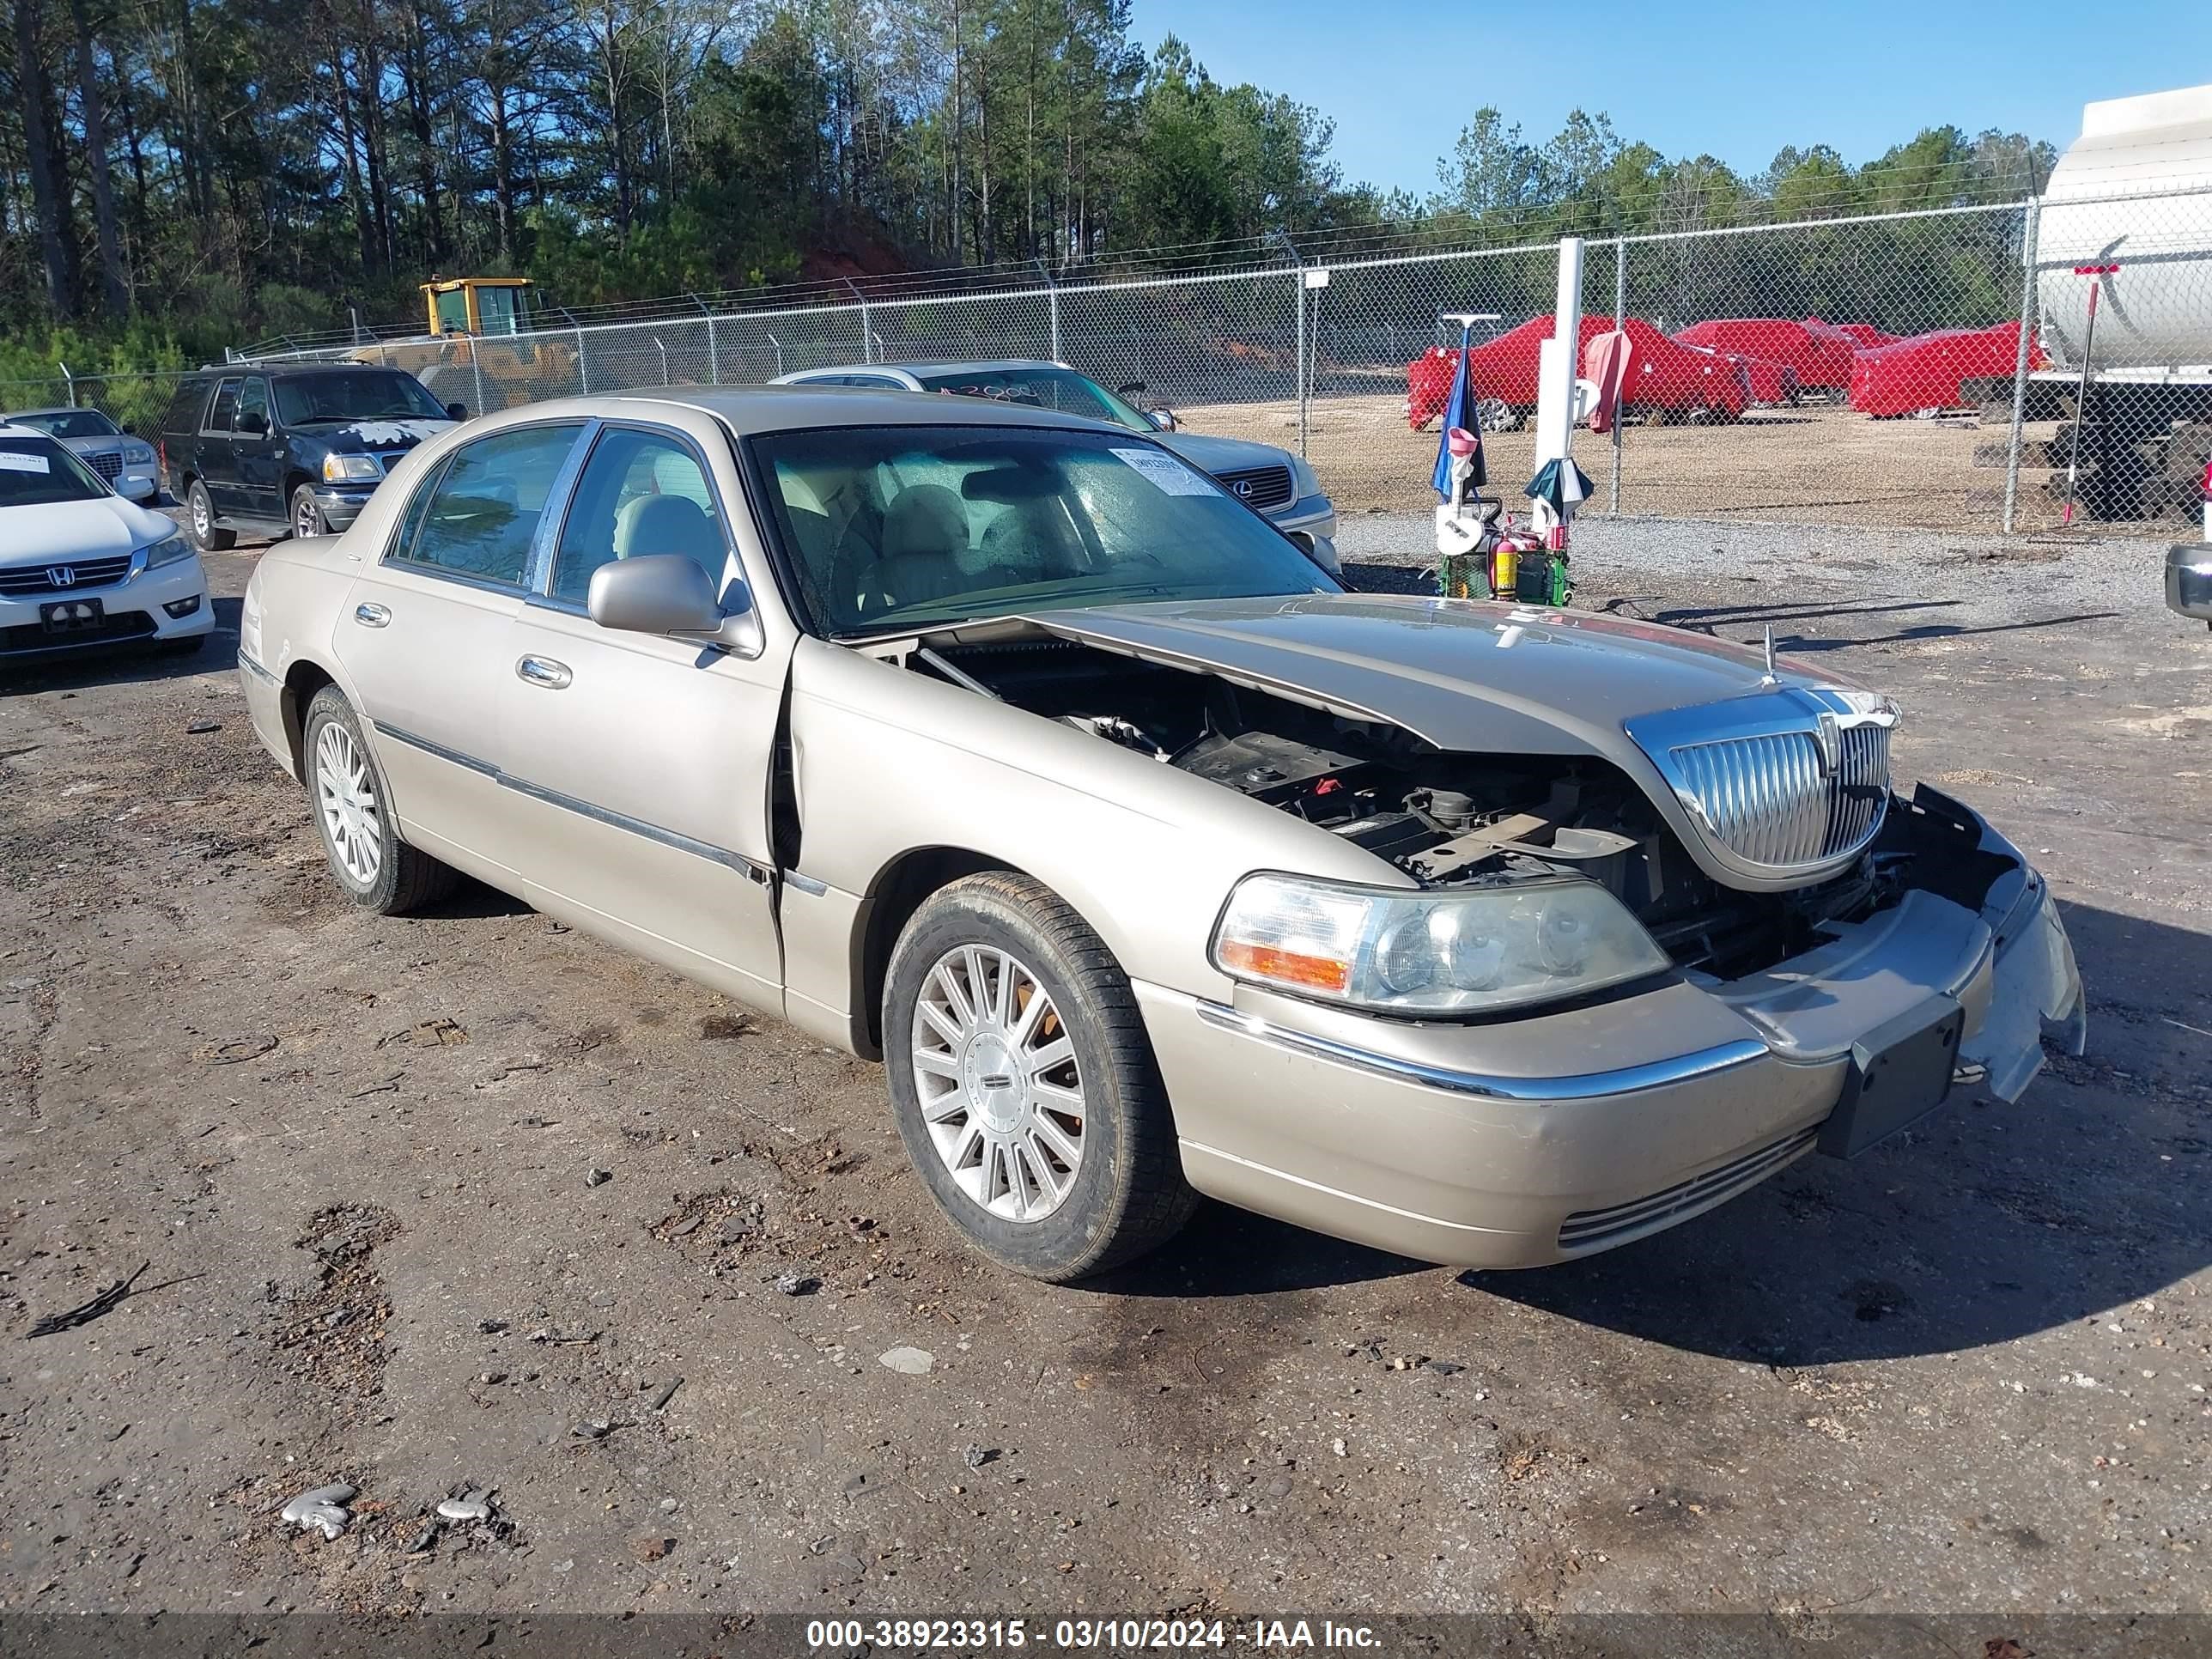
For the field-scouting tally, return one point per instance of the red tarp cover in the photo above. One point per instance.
(1660, 373)
(1862, 336)
(1925, 371)
(1822, 361)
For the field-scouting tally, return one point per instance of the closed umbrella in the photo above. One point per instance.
(1458, 413)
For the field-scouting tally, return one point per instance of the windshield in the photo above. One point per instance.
(354, 394)
(899, 526)
(38, 472)
(1044, 386)
(67, 423)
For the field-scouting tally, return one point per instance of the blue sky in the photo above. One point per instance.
(1734, 80)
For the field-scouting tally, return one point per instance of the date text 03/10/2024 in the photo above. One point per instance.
(851, 1635)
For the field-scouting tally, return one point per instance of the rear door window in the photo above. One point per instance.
(224, 408)
(484, 510)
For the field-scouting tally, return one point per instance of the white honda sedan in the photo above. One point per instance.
(81, 566)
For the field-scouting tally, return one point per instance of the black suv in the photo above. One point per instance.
(300, 448)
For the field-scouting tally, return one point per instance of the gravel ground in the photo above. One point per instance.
(1967, 1371)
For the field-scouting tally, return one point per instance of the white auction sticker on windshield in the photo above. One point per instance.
(1172, 476)
(13, 460)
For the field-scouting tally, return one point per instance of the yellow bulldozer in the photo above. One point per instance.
(479, 347)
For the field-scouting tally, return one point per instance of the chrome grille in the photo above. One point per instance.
(1763, 797)
(108, 463)
(1782, 783)
(19, 580)
(1260, 487)
(1860, 790)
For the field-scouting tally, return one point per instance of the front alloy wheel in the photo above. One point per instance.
(307, 516)
(1000, 1085)
(1025, 1091)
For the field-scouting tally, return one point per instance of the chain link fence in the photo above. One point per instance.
(135, 403)
(1841, 371)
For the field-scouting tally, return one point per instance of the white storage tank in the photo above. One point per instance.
(2156, 311)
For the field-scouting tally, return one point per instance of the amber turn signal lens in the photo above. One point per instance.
(1285, 966)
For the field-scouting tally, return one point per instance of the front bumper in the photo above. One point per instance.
(1311, 523)
(138, 611)
(2189, 579)
(342, 505)
(1526, 1142)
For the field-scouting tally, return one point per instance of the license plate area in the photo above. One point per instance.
(72, 616)
(1900, 1072)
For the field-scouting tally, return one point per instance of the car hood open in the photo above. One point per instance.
(1471, 677)
(101, 528)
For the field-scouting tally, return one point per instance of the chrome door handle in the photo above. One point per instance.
(371, 616)
(543, 671)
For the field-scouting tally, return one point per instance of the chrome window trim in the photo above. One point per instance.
(1589, 1085)
(653, 832)
(537, 574)
(393, 560)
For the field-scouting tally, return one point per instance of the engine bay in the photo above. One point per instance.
(1446, 819)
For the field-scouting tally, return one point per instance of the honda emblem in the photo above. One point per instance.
(61, 575)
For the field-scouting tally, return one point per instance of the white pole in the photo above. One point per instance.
(1558, 363)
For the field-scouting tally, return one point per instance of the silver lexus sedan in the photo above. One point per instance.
(1012, 750)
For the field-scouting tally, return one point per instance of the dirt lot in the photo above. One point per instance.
(1817, 464)
(1967, 1371)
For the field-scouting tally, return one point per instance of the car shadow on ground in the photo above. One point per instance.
(1991, 1223)
(112, 664)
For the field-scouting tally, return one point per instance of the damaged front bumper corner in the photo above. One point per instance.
(2036, 992)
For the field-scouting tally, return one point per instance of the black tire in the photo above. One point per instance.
(199, 522)
(405, 879)
(306, 516)
(1128, 1195)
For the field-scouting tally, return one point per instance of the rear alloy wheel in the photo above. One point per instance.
(378, 870)
(307, 515)
(199, 521)
(1023, 1084)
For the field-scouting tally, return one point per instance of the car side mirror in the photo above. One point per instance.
(668, 593)
(1163, 418)
(457, 411)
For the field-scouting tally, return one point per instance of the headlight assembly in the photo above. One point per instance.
(1302, 480)
(1404, 952)
(350, 469)
(168, 550)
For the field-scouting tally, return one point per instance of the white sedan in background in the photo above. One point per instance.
(79, 566)
(128, 463)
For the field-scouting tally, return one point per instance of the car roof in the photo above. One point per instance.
(284, 371)
(9, 429)
(750, 410)
(58, 409)
(920, 370)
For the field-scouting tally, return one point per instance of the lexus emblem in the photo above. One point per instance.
(1828, 735)
(1243, 488)
(61, 575)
